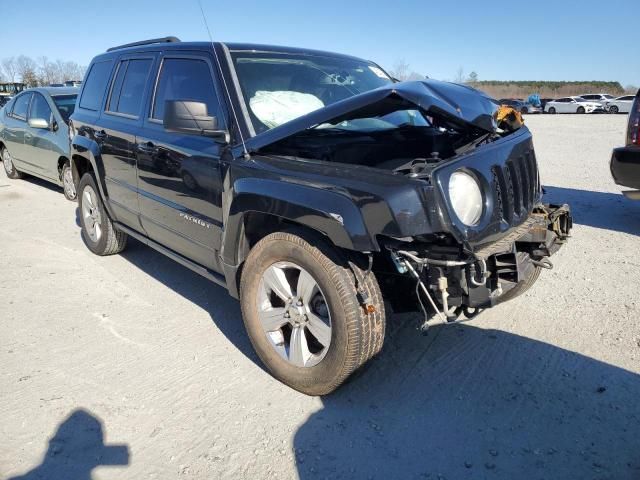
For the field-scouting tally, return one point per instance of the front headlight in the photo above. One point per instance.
(466, 197)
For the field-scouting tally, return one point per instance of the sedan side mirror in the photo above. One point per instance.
(39, 123)
(186, 116)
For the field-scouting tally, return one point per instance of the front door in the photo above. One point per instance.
(179, 177)
(40, 144)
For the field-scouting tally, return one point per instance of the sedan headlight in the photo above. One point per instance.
(466, 197)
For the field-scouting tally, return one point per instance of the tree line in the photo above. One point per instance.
(519, 88)
(39, 72)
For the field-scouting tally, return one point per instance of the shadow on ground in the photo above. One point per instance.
(467, 403)
(223, 309)
(462, 402)
(76, 449)
(610, 211)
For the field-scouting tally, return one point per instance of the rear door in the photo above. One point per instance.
(40, 144)
(16, 128)
(179, 175)
(118, 125)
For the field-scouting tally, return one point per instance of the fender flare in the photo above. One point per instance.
(88, 150)
(328, 212)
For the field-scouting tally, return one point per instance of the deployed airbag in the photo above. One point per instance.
(275, 108)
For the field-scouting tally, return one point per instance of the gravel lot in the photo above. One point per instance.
(135, 367)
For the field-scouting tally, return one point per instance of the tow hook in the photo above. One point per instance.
(544, 263)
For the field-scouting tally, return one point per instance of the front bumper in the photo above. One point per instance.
(480, 280)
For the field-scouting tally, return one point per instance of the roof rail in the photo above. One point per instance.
(145, 42)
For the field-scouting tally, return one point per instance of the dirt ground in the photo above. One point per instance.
(133, 367)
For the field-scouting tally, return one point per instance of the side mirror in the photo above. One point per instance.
(39, 123)
(190, 117)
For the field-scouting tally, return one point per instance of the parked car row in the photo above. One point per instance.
(309, 184)
(587, 103)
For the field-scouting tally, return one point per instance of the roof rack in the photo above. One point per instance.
(145, 42)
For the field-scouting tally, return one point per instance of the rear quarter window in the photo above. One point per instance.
(95, 85)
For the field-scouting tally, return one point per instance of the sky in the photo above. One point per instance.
(502, 40)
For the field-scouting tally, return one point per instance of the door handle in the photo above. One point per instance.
(148, 148)
(101, 135)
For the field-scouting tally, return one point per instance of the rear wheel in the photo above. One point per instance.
(580, 110)
(67, 183)
(300, 307)
(98, 231)
(552, 110)
(613, 109)
(9, 166)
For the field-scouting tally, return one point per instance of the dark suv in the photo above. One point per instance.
(314, 188)
(625, 161)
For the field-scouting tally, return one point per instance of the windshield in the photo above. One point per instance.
(65, 105)
(608, 96)
(279, 87)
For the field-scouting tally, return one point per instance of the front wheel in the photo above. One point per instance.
(552, 110)
(300, 306)
(9, 166)
(522, 286)
(580, 110)
(613, 109)
(98, 231)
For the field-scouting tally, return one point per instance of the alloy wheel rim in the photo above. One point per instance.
(67, 180)
(91, 214)
(7, 161)
(294, 314)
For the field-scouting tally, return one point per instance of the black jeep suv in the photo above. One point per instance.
(314, 188)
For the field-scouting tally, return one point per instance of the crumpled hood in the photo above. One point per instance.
(459, 105)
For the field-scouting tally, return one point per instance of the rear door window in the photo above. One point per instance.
(185, 79)
(40, 108)
(127, 92)
(95, 85)
(21, 106)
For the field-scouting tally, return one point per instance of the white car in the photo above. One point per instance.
(602, 98)
(573, 105)
(620, 104)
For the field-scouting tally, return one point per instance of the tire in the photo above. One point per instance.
(580, 110)
(613, 109)
(522, 286)
(552, 110)
(354, 336)
(103, 241)
(68, 186)
(9, 167)
(524, 110)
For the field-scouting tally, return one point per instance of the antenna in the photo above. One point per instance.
(224, 82)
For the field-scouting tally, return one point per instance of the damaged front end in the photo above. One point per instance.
(452, 282)
(451, 194)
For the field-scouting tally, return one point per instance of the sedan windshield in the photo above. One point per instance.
(65, 105)
(279, 87)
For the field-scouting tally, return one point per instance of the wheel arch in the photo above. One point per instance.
(259, 208)
(62, 159)
(85, 157)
